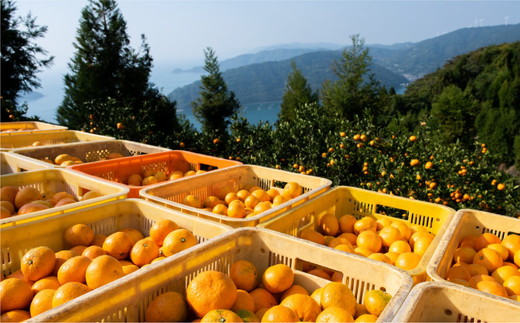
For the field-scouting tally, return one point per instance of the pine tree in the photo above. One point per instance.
(106, 71)
(216, 104)
(297, 93)
(20, 59)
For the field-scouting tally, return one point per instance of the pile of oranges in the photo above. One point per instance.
(245, 295)
(47, 279)
(245, 202)
(489, 264)
(153, 176)
(391, 241)
(18, 201)
(68, 160)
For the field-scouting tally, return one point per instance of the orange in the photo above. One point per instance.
(248, 316)
(118, 245)
(15, 316)
(370, 240)
(192, 200)
(293, 189)
(476, 269)
(177, 241)
(129, 268)
(488, 258)
(512, 285)
(360, 310)
(366, 318)
(144, 251)
(49, 282)
(479, 277)
(365, 223)
(312, 235)
(73, 270)
(78, 234)
(389, 235)
(221, 315)
(68, 292)
(305, 307)
(261, 195)
(294, 289)
(334, 314)
(484, 239)
(392, 256)
(380, 257)
(272, 192)
(399, 246)
(279, 313)
(464, 255)
(278, 278)
(37, 263)
(491, 287)
(329, 224)
(99, 238)
(251, 201)
(15, 294)
(244, 301)
(468, 241)
(103, 270)
(320, 273)
(280, 199)
(211, 201)
(516, 258)
(210, 290)
(363, 251)
(219, 209)
(351, 237)
(8, 193)
(406, 232)
(375, 301)
(61, 257)
(244, 274)
(41, 302)
(338, 241)
(167, 307)
(458, 272)
(383, 223)
(160, 230)
(500, 248)
(93, 252)
(263, 298)
(345, 247)
(134, 234)
(407, 260)
(230, 197)
(26, 195)
(338, 294)
(346, 223)
(262, 207)
(243, 194)
(461, 282)
(422, 244)
(502, 273)
(236, 208)
(420, 234)
(512, 244)
(78, 250)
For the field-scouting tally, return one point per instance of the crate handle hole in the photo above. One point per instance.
(383, 289)
(448, 312)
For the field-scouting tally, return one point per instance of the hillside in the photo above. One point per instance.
(394, 65)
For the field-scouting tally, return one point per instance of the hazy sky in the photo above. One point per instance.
(178, 31)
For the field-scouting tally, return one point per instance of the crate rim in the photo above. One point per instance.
(143, 194)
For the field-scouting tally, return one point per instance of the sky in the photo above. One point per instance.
(178, 31)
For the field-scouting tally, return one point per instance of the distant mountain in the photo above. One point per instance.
(262, 76)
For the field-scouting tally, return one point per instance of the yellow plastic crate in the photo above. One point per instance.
(56, 180)
(17, 127)
(90, 151)
(467, 222)
(442, 302)
(127, 300)
(172, 194)
(21, 140)
(359, 203)
(10, 163)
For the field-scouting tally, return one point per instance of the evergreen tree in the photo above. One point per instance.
(297, 92)
(106, 71)
(20, 59)
(216, 104)
(355, 91)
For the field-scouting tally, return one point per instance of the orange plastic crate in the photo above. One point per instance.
(118, 170)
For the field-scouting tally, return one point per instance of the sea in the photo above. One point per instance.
(45, 100)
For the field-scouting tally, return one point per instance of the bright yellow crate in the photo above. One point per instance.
(467, 222)
(89, 151)
(105, 219)
(173, 193)
(11, 163)
(57, 180)
(443, 302)
(21, 140)
(127, 300)
(17, 127)
(358, 202)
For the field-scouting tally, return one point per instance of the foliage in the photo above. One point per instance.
(22, 59)
(216, 104)
(106, 70)
(297, 92)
